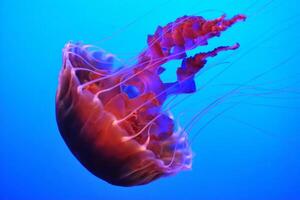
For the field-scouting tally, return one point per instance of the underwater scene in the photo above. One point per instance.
(135, 100)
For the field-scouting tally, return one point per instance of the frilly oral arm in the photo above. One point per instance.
(186, 33)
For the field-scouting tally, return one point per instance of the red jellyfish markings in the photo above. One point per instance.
(113, 121)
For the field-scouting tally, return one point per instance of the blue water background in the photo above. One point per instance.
(249, 152)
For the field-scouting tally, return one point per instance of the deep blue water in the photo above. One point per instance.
(251, 151)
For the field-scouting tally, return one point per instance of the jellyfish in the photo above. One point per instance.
(113, 120)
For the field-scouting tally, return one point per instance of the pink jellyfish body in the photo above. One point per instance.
(113, 121)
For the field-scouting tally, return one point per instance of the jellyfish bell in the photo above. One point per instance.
(100, 144)
(112, 118)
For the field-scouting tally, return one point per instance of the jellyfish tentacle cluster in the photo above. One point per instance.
(186, 33)
(113, 121)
